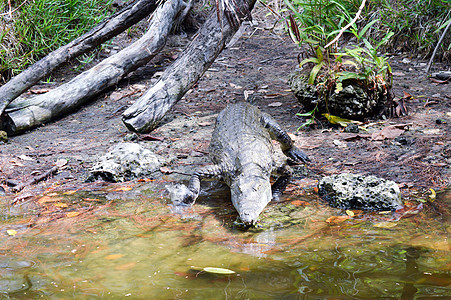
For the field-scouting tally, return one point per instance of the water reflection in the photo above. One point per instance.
(133, 244)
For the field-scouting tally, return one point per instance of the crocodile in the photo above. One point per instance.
(244, 157)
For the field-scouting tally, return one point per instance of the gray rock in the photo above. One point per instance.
(350, 191)
(126, 161)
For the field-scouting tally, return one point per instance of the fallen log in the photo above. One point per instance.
(145, 114)
(25, 114)
(104, 31)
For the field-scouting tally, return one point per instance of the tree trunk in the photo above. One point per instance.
(104, 31)
(25, 114)
(144, 115)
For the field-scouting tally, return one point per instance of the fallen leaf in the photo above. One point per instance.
(11, 232)
(139, 87)
(385, 225)
(116, 96)
(389, 132)
(407, 95)
(351, 137)
(235, 86)
(145, 180)
(113, 256)
(431, 131)
(61, 162)
(60, 205)
(165, 170)
(406, 61)
(337, 219)
(269, 96)
(337, 120)
(72, 214)
(204, 124)
(439, 81)
(39, 91)
(275, 104)
(149, 137)
(432, 196)
(25, 157)
(16, 163)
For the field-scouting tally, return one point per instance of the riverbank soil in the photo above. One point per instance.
(416, 155)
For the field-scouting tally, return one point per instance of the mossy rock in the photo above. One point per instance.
(352, 102)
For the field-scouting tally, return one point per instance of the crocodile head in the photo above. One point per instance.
(250, 195)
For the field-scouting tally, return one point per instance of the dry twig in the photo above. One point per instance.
(436, 47)
(347, 26)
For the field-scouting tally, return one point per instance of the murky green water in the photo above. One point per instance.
(113, 243)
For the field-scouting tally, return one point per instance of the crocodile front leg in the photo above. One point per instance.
(279, 134)
(211, 171)
(281, 183)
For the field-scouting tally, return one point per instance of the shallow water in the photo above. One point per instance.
(113, 242)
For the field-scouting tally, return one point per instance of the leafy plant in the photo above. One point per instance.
(310, 119)
(319, 22)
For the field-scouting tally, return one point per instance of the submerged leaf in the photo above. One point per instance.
(221, 271)
(70, 192)
(48, 198)
(337, 219)
(113, 256)
(385, 225)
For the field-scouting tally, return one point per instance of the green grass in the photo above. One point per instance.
(416, 24)
(41, 26)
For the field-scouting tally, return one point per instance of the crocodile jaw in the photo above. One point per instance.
(250, 197)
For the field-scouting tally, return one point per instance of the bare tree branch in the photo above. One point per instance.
(104, 31)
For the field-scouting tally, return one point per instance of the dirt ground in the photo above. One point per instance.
(260, 61)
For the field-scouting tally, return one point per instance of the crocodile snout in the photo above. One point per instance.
(249, 218)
